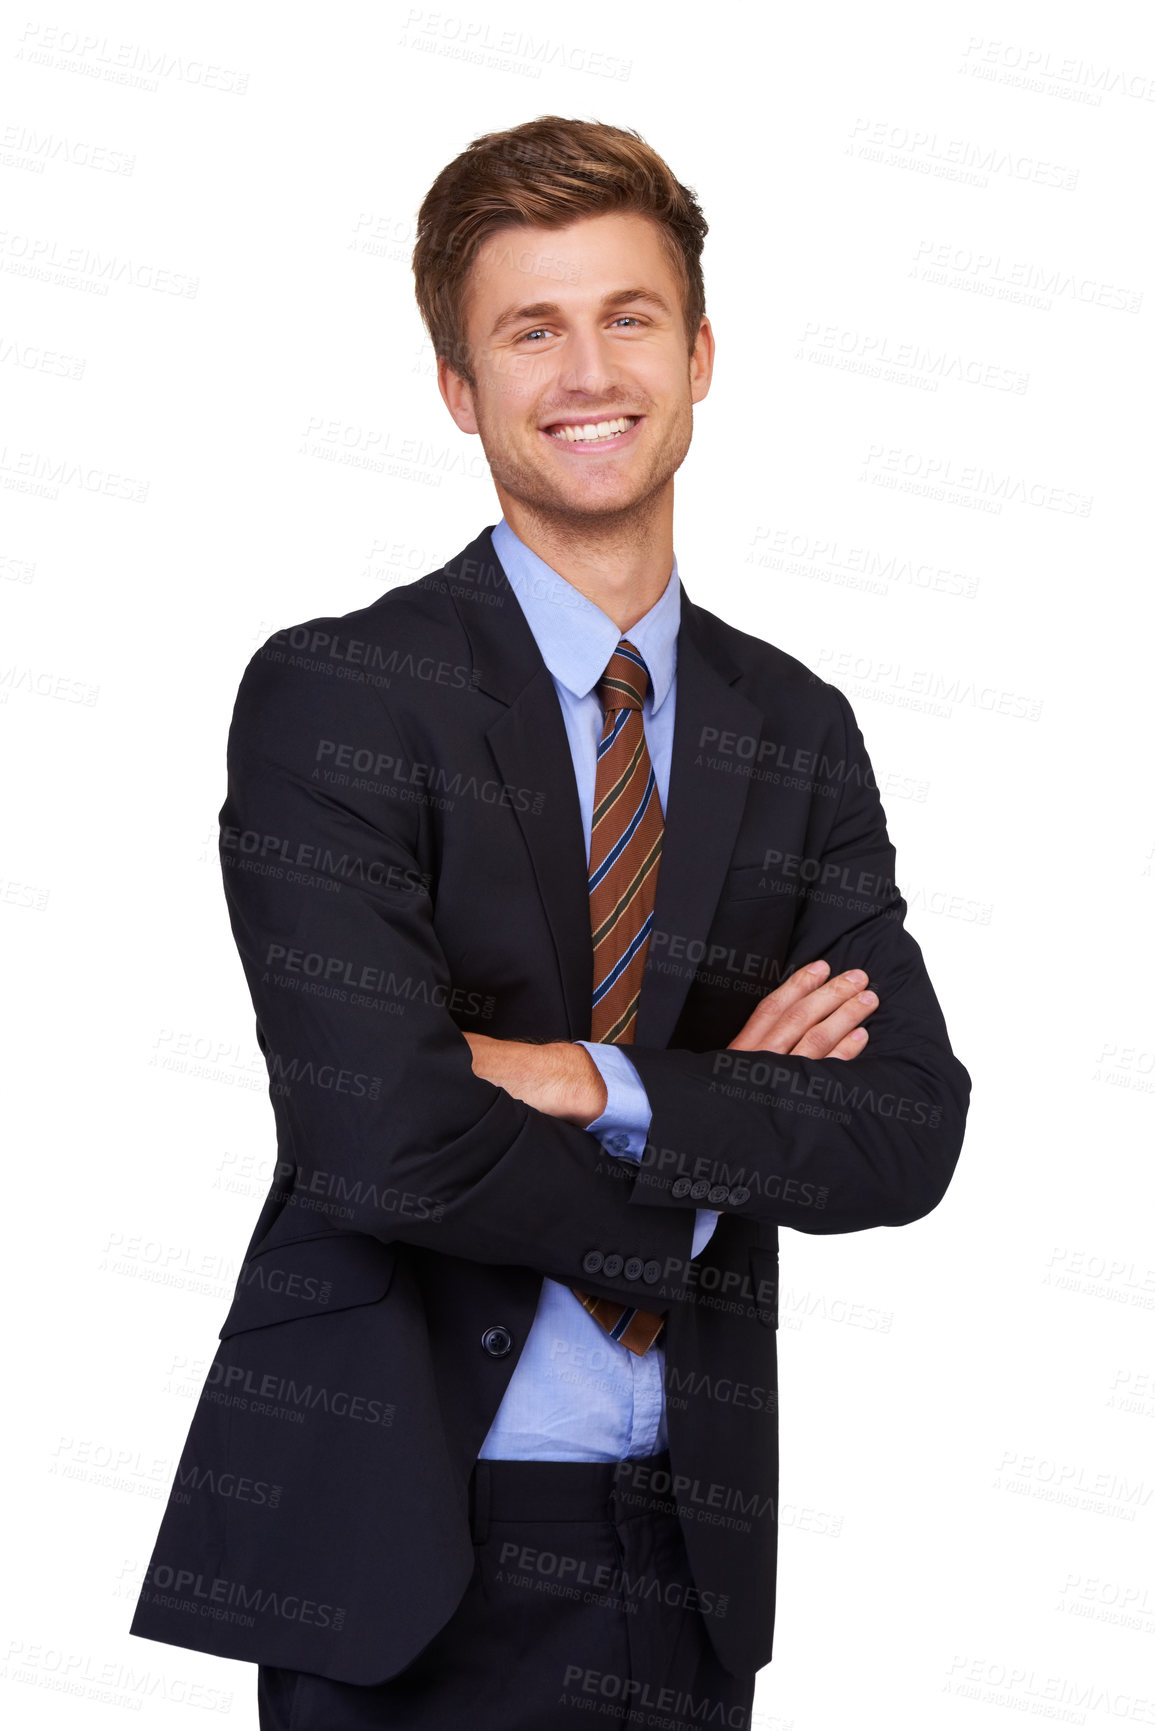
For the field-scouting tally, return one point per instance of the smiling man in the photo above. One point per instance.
(521, 863)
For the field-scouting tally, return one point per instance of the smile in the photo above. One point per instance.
(595, 435)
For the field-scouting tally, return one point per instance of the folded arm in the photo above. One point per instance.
(818, 1143)
(575, 1080)
(333, 921)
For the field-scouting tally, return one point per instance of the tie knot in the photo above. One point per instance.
(626, 679)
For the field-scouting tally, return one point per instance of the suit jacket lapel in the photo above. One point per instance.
(704, 805)
(531, 750)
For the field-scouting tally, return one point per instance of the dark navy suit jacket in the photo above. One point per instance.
(403, 861)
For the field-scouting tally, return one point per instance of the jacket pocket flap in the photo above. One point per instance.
(742, 883)
(310, 1277)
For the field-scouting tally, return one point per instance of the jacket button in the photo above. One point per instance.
(700, 1189)
(497, 1341)
(738, 1195)
(613, 1265)
(634, 1268)
(719, 1194)
(652, 1272)
(592, 1262)
(680, 1187)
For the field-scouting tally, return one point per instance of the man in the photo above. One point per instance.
(563, 905)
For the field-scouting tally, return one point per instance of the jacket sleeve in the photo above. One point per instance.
(624, 1125)
(383, 1126)
(822, 1145)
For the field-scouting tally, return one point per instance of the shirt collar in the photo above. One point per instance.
(575, 637)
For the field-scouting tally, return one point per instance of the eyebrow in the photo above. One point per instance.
(551, 309)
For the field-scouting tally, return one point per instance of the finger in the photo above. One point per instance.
(820, 1041)
(785, 1016)
(765, 1013)
(851, 1044)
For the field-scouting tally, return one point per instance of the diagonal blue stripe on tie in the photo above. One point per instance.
(623, 840)
(625, 960)
(620, 1326)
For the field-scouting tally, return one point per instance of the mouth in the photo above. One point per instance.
(588, 436)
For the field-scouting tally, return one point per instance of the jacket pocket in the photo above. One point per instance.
(764, 1281)
(742, 883)
(313, 1276)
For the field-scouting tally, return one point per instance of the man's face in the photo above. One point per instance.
(579, 325)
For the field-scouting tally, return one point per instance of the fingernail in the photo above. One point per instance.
(817, 968)
(856, 977)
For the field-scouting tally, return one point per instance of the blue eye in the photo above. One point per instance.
(538, 330)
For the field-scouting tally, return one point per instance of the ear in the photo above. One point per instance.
(702, 362)
(458, 395)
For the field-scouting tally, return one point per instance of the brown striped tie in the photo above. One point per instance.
(625, 853)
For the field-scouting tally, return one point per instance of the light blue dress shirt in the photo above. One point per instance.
(575, 1394)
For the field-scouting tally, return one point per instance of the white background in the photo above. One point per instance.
(929, 273)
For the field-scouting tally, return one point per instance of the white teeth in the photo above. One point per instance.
(594, 430)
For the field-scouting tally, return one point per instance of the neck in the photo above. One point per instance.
(620, 563)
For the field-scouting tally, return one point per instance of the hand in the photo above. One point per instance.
(558, 1077)
(810, 1016)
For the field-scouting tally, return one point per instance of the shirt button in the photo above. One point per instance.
(497, 1341)
(613, 1265)
(620, 1143)
(592, 1262)
(634, 1268)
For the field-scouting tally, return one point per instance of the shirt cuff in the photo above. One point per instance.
(624, 1125)
(705, 1221)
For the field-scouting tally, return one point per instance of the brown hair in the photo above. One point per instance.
(547, 172)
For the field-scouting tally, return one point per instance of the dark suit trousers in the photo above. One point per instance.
(581, 1611)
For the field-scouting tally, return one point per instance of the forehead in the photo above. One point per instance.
(570, 267)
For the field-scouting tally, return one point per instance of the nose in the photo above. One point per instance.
(589, 367)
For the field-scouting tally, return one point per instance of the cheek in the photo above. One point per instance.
(507, 400)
